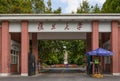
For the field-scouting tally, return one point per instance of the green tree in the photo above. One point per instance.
(26, 6)
(84, 7)
(76, 49)
(58, 11)
(52, 51)
(15, 6)
(48, 8)
(111, 6)
(96, 9)
(38, 6)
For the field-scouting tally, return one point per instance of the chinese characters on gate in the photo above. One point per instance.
(54, 27)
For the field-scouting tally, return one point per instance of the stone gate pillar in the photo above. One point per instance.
(119, 47)
(95, 37)
(114, 47)
(0, 48)
(24, 48)
(5, 49)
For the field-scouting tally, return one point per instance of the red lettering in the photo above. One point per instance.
(40, 26)
(53, 27)
(79, 26)
(67, 26)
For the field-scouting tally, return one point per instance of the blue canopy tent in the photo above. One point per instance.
(100, 52)
(96, 52)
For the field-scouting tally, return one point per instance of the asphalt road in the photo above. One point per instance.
(60, 75)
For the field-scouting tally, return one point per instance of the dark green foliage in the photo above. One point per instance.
(38, 6)
(26, 7)
(52, 51)
(48, 8)
(84, 7)
(96, 9)
(49, 51)
(15, 6)
(58, 11)
(76, 49)
(111, 6)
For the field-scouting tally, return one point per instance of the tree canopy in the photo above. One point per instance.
(96, 9)
(52, 51)
(111, 6)
(84, 7)
(38, 6)
(26, 7)
(15, 6)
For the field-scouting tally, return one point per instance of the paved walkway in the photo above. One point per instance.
(60, 76)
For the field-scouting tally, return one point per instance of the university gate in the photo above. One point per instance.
(99, 30)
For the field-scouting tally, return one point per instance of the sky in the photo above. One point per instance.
(71, 5)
